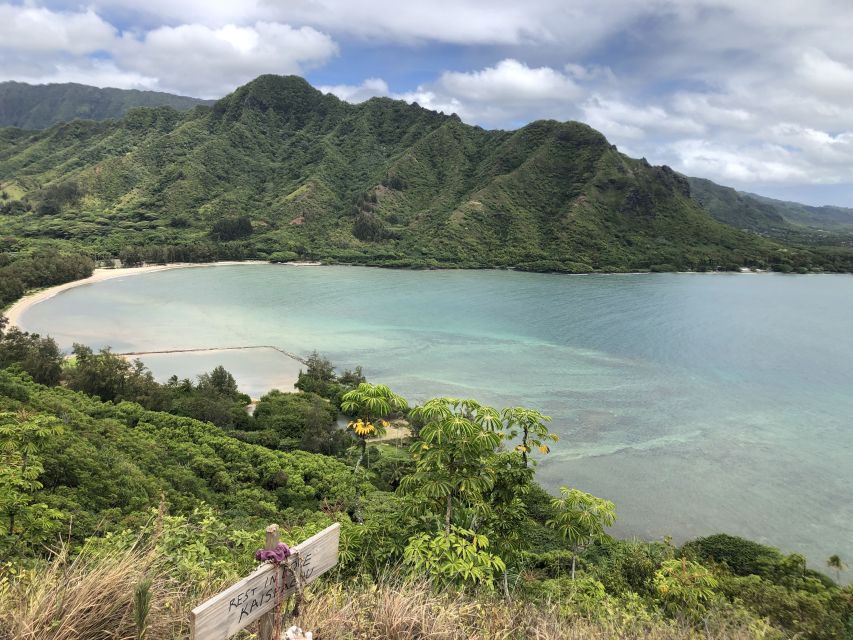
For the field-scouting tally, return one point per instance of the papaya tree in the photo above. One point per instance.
(503, 510)
(530, 426)
(453, 456)
(458, 555)
(370, 404)
(684, 586)
(22, 437)
(581, 519)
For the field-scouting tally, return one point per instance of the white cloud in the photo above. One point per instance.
(100, 73)
(619, 119)
(763, 164)
(510, 81)
(210, 62)
(821, 74)
(40, 45)
(504, 95)
(34, 29)
(358, 93)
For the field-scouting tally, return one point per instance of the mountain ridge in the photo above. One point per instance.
(29, 106)
(277, 169)
(761, 214)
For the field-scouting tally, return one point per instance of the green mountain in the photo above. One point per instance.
(766, 215)
(279, 170)
(735, 208)
(40, 106)
(825, 218)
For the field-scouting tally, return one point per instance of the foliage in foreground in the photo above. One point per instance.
(95, 593)
(465, 523)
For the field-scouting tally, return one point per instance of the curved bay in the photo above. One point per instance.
(697, 402)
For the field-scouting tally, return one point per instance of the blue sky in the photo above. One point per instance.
(753, 94)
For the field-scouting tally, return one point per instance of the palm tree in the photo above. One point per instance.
(835, 562)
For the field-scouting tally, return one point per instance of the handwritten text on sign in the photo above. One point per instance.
(243, 603)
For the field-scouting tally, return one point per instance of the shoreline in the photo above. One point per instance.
(22, 305)
(101, 274)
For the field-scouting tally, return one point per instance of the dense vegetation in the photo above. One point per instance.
(40, 268)
(457, 507)
(769, 216)
(279, 171)
(166, 487)
(827, 217)
(826, 233)
(29, 106)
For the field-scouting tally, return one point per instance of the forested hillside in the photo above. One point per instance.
(28, 106)
(766, 215)
(279, 171)
(826, 218)
(442, 537)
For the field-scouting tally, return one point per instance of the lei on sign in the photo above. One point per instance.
(255, 595)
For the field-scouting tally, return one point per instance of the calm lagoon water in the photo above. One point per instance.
(698, 403)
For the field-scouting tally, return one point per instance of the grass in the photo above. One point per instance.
(95, 594)
(12, 189)
(89, 596)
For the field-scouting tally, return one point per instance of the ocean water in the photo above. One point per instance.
(699, 403)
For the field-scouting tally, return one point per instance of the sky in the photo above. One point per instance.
(754, 94)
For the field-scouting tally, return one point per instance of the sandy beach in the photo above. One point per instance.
(14, 313)
(162, 364)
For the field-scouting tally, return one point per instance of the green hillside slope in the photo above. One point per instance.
(735, 208)
(179, 506)
(767, 215)
(112, 463)
(30, 106)
(826, 218)
(279, 170)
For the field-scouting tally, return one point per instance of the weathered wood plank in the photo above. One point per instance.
(244, 602)
(266, 625)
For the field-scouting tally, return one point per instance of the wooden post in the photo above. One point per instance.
(266, 625)
(247, 601)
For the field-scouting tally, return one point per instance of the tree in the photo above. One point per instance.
(457, 554)
(453, 457)
(835, 562)
(22, 436)
(321, 434)
(303, 418)
(111, 377)
(370, 404)
(231, 228)
(504, 509)
(218, 382)
(531, 424)
(319, 377)
(684, 586)
(39, 357)
(581, 519)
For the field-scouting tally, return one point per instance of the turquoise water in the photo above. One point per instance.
(698, 403)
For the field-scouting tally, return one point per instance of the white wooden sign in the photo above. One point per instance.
(243, 603)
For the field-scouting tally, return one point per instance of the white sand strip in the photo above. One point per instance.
(14, 313)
